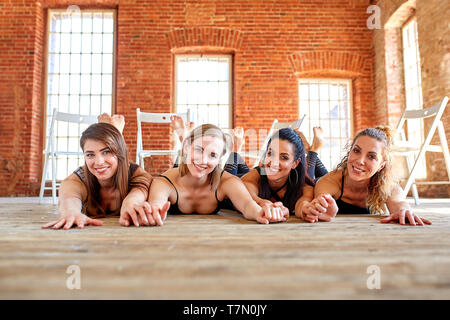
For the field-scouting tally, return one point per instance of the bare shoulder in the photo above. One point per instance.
(141, 172)
(329, 183)
(73, 177)
(172, 174)
(73, 186)
(252, 176)
(228, 178)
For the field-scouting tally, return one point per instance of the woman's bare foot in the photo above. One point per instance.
(318, 140)
(104, 117)
(305, 142)
(118, 121)
(177, 123)
(238, 139)
(189, 126)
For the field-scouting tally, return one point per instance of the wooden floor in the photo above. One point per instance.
(224, 257)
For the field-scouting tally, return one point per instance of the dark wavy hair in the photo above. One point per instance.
(298, 177)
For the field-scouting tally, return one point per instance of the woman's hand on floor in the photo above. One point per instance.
(144, 214)
(322, 208)
(68, 220)
(402, 214)
(272, 212)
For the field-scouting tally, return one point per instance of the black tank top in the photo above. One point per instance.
(348, 208)
(266, 192)
(80, 173)
(174, 209)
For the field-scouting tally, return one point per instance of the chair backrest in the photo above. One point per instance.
(70, 118)
(160, 117)
(435, 111)
(153, 117)
(293, 124)
(74, 118)
(276, 125)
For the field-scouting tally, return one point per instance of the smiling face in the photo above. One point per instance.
(100, 161)
(203, 155)
(279, 159)
(365, 158)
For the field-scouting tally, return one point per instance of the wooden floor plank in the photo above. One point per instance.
(224, 257)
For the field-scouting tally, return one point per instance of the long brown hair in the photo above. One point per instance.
(381, 183)
(113, 139)
(202, 131)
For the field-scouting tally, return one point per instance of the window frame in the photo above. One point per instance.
(229, 57)
(349, 84)
(45, 77)
(408, 88)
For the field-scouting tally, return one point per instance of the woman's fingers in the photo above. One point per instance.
(79, 221)
(124, 221)
(134, 218)
(156, 215)
(410, 217)
(47, 225)
(60, 223)
(324, 217)
(140, 211)
(419, 221)
(148, 212)
(268, 212)
(310, 218)
(164, 210)
(323, 202)
(94, 222)
(406, 214)
(401, 216)
(261, 218)
(69, 222)
(386, 220)
(313, 211)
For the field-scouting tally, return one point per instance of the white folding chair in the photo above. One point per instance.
(276, 125)
(147, 117)
(50, 152)
(415, 152)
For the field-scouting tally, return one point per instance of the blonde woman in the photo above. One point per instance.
(199, 185)
(363, 183)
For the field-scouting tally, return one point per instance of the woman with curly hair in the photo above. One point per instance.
(363, 183)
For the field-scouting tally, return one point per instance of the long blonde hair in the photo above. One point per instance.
(202, 131)
(381, 183)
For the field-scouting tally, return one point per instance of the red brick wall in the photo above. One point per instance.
(434, 45)
(21, 49)
(265, 38)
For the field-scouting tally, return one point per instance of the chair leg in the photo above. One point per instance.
(44, 176)
(444, 146)
(411, 179)
(54, 179)
(415, 194)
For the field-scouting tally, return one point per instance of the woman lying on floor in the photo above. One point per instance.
(281, 180)
(108, 184)
(363, 183)
(315, 168)
(200, 185)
